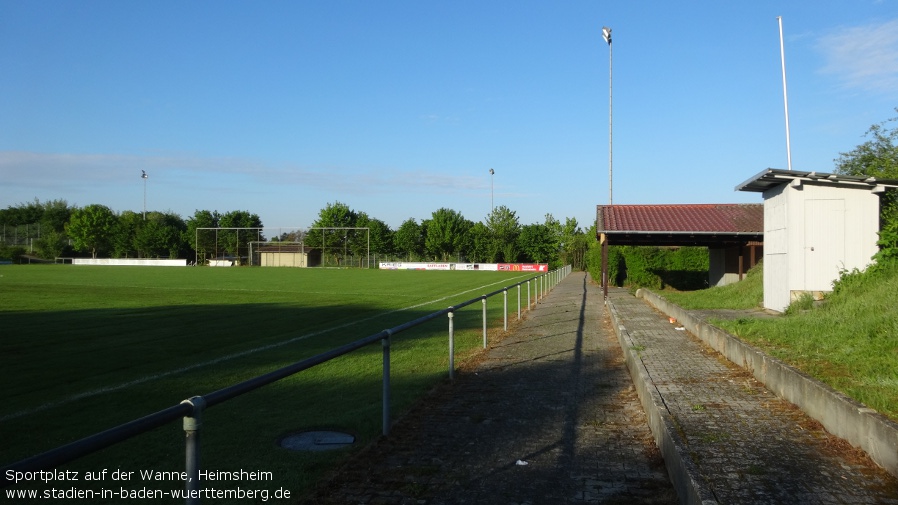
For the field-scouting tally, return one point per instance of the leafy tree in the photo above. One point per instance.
(379, 235)
(505, 228)
(55, 216)
(27, 222)
(236, 242)
(408, 239)
(878, 157)
(446, 233)
(52, 244)
(92, 228)
(578, 249)
(161, 234)
(202, 243)
(574, 243)
(123, 243)
(480, 243)
(333, 215)
(537, 243)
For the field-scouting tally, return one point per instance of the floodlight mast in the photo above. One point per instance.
(492, 207)
(606, 34)
(143, 176)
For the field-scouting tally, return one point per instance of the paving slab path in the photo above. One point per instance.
(743, 443)
(547, 415)
(550, 414)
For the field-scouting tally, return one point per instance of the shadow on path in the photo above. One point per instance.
(547, 415)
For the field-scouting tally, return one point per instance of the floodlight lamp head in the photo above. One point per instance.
(606, 34)
(143, 174)
(492, 171)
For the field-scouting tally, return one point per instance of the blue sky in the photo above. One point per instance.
(400, 108)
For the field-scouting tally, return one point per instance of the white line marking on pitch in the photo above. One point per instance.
(148, 378)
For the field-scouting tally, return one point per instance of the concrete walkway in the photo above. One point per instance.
(550, 414)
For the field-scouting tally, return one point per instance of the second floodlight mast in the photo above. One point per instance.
(143, 176)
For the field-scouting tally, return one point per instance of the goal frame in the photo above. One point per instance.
(367, 257)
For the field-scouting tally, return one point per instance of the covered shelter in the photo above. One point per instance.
(815, 225)
(285, 254)
(733, 233)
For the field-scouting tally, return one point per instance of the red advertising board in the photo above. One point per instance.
(523, 267)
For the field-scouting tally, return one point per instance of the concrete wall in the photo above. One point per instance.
(776, 267)
(130, 262)
(842, 416)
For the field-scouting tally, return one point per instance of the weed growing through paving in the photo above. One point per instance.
(713, 438)
(755, 470)
(850, 341)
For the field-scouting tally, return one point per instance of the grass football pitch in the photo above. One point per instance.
(87, 348)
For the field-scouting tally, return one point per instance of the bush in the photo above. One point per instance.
(683, 268)
(14, 253)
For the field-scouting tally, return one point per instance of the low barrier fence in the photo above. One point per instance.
(191, 410)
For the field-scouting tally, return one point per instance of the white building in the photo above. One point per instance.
(815, 226)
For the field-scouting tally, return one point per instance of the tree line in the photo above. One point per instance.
(55, 229)
(448, 236)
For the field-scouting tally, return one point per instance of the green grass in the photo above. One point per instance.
(849, 342)
(87, 348)
(745, 294)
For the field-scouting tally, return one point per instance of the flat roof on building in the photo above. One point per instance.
(773, 177)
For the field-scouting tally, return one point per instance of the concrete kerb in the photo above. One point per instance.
(842, 416)
(690, 486)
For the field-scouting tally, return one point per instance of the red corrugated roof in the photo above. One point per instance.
(689, 218)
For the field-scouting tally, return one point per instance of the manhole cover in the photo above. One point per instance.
(316, 441)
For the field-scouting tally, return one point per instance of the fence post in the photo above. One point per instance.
(192, 425)
(519, 301)
(385, 343)
(528, 294)
(451, 346)
(484, 321)
(505, 309)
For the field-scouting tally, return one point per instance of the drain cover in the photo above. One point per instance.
(316, 441)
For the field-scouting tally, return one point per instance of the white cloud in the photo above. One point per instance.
(863, 57)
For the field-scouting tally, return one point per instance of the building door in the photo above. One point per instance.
(824, 243)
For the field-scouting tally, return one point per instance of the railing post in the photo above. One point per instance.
(451, 346)
(484, 320)
(519, 301)
(385, 343)
(505, 310)
(528, 294)
(192, 425)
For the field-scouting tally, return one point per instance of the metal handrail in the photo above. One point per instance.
(191, 409)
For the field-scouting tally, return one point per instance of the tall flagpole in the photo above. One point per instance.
(606, 34)
(785, 95)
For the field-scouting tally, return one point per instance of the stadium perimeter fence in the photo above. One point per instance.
(191, 410)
